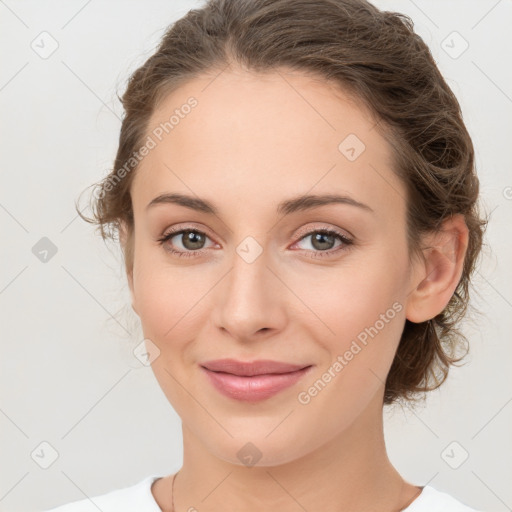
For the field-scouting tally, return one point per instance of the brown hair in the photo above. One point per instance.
(377, 57)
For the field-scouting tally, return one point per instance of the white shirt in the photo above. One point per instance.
(139, 498)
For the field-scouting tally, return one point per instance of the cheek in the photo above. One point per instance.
(338, 303)
(162, 302)
(168, 296)
(353, 297)
(360, 305)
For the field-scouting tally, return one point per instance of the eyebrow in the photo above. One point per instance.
(296, 204)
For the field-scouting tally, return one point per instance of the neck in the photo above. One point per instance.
(349, 472)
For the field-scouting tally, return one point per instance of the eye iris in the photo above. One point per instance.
(319, 238)
(192, 240)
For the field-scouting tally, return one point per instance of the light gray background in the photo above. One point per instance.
(68, 375)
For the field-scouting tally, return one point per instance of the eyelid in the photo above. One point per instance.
(176, 228)
(305, 230)
(308, 230)
(172, 232)
(322, 226)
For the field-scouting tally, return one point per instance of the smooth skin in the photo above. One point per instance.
(253, 141)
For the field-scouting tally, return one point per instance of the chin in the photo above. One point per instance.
(258, 448)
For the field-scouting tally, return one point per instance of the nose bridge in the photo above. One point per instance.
(248, 276)
(248, 301)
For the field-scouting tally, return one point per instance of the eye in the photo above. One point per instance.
(192, 241)
(323, 242)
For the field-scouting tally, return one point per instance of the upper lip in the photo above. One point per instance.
(259, 367)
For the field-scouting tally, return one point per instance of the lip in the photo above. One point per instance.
(252, 381)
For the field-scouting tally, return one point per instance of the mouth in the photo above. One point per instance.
(252, 381)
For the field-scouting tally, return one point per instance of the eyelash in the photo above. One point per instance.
(347, 242)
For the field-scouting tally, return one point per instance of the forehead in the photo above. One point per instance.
(271, 135)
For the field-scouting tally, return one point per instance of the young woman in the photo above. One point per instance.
(295, 195)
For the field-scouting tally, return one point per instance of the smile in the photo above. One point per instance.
(252, 387)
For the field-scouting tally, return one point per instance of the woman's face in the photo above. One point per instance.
(256, 279)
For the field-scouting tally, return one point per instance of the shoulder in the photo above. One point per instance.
(136, 498)
(432, 500)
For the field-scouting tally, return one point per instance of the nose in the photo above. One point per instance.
(250, 302)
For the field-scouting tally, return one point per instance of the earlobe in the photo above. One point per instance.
(440, 272)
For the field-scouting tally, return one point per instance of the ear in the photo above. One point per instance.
(127, 246)
(437, 277)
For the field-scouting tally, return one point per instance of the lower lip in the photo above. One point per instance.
(255, 388)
